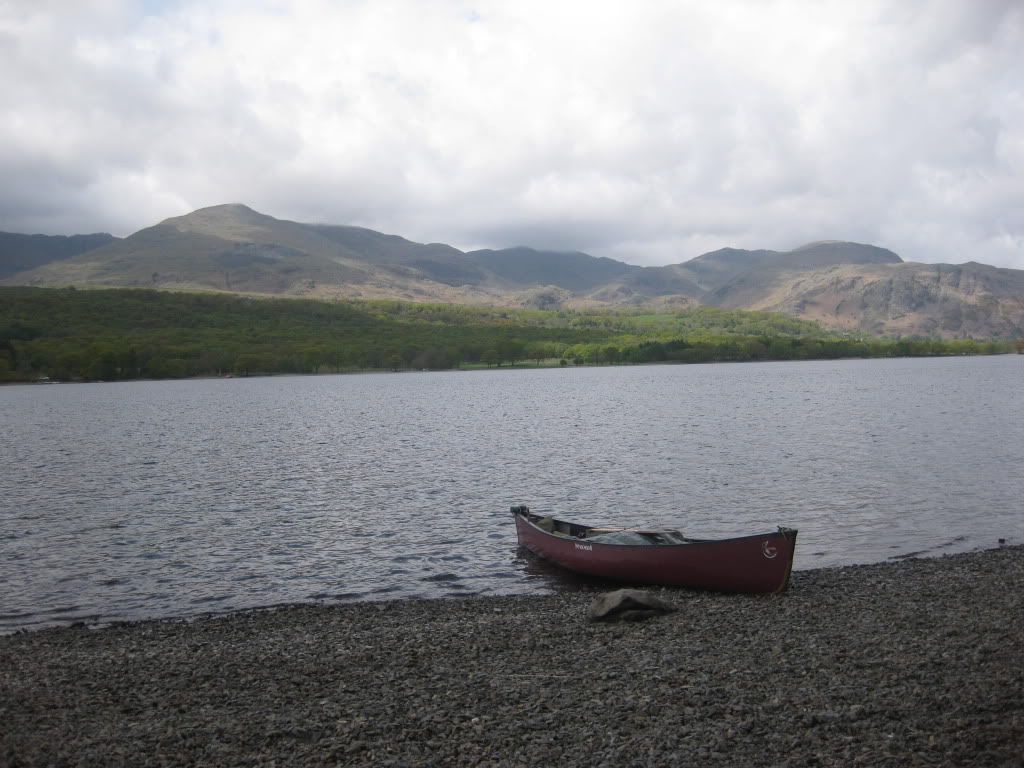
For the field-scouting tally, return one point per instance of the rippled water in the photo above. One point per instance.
(148, 499)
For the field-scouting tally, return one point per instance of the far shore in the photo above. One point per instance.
(472, 367)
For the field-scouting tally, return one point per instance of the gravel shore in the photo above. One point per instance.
(915, 663)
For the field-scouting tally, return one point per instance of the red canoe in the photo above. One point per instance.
(744, 564)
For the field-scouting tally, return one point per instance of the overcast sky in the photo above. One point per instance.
(645, 131)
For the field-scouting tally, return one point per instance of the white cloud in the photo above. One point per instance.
(648, 132)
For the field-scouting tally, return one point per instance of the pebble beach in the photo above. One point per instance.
(912, 663)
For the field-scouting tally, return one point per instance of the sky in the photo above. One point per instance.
(645, 131)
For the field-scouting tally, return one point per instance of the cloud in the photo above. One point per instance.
(648, 133)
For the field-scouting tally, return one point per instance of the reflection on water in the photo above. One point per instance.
(147, 499)
(549, 577)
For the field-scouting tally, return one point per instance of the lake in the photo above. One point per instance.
(173, 498)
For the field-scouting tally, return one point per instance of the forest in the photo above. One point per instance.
(107, 335)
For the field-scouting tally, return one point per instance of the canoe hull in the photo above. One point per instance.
(750, 564)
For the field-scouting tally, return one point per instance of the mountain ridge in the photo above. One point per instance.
(843, 285)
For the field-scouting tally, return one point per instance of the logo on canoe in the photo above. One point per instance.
(768, 549)
(587, 547)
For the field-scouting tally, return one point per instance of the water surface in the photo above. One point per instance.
(145, 499)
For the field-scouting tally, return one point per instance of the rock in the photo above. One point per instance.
(637, 615)
(628, 605)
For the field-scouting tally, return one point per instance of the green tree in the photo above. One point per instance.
(246, 365)
(511, 351)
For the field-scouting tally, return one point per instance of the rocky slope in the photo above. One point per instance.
(968, 300)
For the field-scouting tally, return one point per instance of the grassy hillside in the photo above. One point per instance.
(70, 334)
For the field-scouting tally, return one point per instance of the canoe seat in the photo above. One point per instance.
(546, 524)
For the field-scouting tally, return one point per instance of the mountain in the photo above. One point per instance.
(574, 271)
(945, 300)
(19, 253)
(234, 248)
(843, 285)
(718, 272)
(721, 276)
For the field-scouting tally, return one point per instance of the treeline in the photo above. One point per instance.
(88, 335)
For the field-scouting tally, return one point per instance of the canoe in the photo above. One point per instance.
(755, 564)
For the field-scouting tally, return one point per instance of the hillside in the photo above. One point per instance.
(234, 249)
(727, 277)
(231, 248)
(20, 253)
(943, 300)
(69, 334)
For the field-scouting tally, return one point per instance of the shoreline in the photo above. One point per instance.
(918, 661)
(476, 367)
(568, 582)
